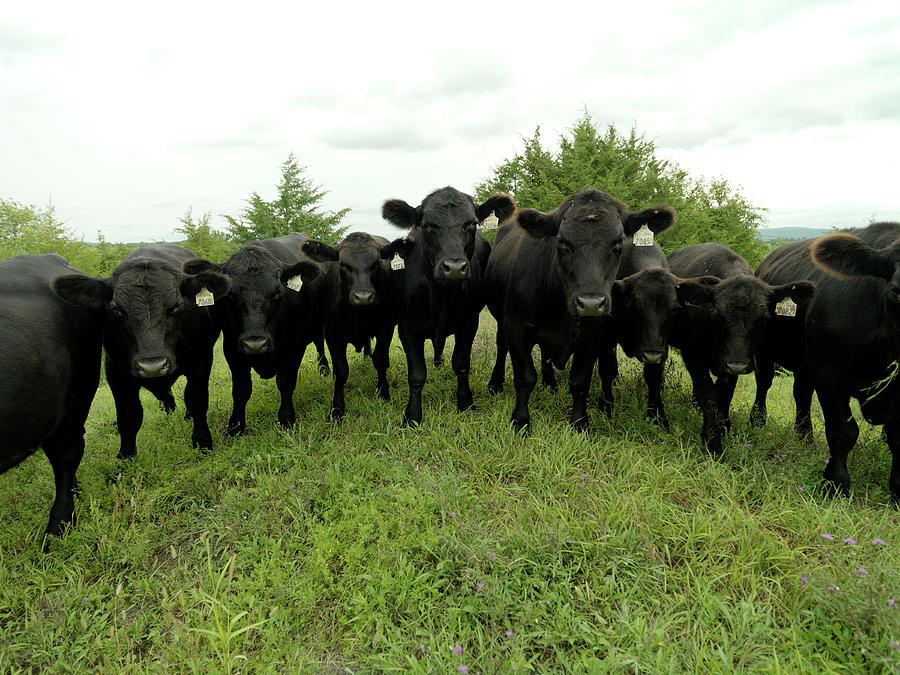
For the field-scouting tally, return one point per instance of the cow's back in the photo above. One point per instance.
(285, 248)
(708, 258)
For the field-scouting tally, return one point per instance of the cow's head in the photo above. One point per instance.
(144, 303)
(735, 311)
(589, 230)
(646, 305)
(260, 283)
(445, 224)
(844, 255)
(362, 271)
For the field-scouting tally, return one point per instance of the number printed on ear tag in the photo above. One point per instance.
(490, 223)
(397, 263)
(295, 283)
(786, 307)
(643, 237)
(204, 298)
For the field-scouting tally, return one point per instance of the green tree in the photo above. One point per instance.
(202, 239)
(627, 167)
(295, 209)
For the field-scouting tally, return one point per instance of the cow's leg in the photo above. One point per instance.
(196, 397)
(337, 347)
(579, 385)
(438, 345)
(414, 348)
(498, 374)
(841, 431)
(653, 376)
(548, 374)
(765, 373)
(241, 389)
(608, 370)
(64, 450)
(322, 361)
(461, 361)
(129, 412)
(166, 400)
(803, 393)
(892, 431)
(381, 360)
(705, 396)
(725, 385)
(524, 379)
(286, 378)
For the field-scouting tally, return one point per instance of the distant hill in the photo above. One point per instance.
(791, 233)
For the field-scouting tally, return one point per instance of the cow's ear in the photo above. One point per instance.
(401, 247)
(82, 290)
(657, 219)
(539, 224)
(800, 292)
(198, 265)
(216, 283)
(502, 205)
(305, 269)
(319, 251)
(399, 214)
(844, 255)
(621, 289)
(695, 292)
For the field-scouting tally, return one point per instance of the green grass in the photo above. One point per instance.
(367, 547)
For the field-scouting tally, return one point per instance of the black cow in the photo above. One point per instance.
(157, 328)
(50, 359)
(853, 347)
(357, 297)
(267, 320)
(784, 341)
(549, 282)
(439, 290)
(723, 326)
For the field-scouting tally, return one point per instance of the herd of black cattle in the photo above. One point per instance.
(576, 282)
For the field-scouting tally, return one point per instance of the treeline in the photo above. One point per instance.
(624, 165)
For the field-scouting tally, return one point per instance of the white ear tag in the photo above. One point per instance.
(643, 237)
(786, 307)
(295, 283)
(204, 298)
(490, 223)
(397, 263)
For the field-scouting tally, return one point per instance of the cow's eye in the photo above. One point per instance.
(565, 246)
(618, 247)
(117, 311)
(176, 309)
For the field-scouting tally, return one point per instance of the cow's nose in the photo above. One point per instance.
(738, 367)
(255, 345)
(653, 356)
(455, 269)
(362, 297)
(590, 305)
(150, 368)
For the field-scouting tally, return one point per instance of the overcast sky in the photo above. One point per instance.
(124, 115)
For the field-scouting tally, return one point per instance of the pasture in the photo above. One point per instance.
(456, 547)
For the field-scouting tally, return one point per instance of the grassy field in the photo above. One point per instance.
(455, 547)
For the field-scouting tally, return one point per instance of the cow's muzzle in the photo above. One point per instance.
(590, 305)
(256, 345)
(454, 268)
(150, 368)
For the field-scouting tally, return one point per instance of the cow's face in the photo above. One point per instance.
(145, 304)
(362, 271)
(445, 225)
(260, 285)
(645, 305)
(588, 231)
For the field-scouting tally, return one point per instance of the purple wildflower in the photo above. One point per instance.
(86, 598)
(462, 669)
(800, 488)
(480, 585)
(453, 514)
(293, 485)
(894, 644)
(804, 581)
(458, 650)
(509, 633)
(422, 648)
(849, 540)
(492, 555)
(746, 445)
(829, 537)
(878, 542)
(892, 602)
(861, 571)
(834, 588)
(417, 468)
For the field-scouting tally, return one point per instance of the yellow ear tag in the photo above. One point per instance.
(204, 298)
(786, 307)
(643, 237)
(490, 223)
(295, 283)
(397, 263)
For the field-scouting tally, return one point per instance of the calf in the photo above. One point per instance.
(853, 347)
(157, 327)
(50, 359)
(549, 282)
(784, 341)
(438, 292)
(356, 289)
(267, 320)
(723, 326)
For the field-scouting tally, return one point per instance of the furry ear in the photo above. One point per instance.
(218, 284)
(800, 292)
(657, 218)
(401, 247)
(539, 224)
(695, 293)
(843, 255)
(502, 205)
(83, 290)
(399, 214)
(319, 250)
(198, 265)
(307, 270)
